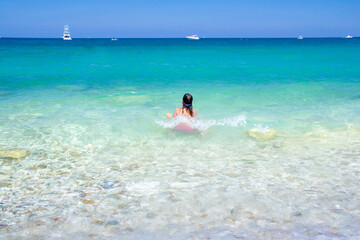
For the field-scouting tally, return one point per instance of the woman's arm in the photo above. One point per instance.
(168, 115)
(175, 113)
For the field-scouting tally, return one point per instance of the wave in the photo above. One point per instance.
(202, 124)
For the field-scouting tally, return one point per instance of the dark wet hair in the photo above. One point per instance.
(187, 103)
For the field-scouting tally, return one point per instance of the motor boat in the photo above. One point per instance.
(66, 34)
(193, 37)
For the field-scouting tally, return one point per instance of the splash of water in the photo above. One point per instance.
(202, 124)
(262, 129)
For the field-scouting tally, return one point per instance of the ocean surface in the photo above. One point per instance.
(86, 151)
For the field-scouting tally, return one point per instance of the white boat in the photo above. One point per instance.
(349, 36)
(193, 37)
(300, 37)
(66, 34)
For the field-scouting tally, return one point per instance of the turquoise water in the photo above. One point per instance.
(275, 154)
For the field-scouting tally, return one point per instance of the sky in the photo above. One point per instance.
(173, 18)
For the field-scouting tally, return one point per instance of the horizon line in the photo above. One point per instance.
(2, 37)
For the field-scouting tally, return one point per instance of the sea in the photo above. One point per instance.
(86, 151)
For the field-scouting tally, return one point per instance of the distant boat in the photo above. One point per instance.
(66, 34)
(114, 39)
(300, 37)
(193, 37)
(349, 36)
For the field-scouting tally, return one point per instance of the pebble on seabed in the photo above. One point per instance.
(107, 184)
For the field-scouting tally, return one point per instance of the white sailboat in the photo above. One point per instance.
(349, 36)
(193, 37)
(66, 34)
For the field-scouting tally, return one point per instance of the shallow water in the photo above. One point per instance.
(275, 153)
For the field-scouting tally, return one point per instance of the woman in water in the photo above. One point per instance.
(186, 110)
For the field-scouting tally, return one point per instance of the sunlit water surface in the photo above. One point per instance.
(274, 154)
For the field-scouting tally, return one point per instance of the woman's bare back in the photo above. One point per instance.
(183, 111)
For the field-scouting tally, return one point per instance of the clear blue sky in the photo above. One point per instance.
(173, 18)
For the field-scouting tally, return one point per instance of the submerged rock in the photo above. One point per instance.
(107, 184)
(71, 87)
(2, 93)
(14, 153)
(112, 222)
(261, 135)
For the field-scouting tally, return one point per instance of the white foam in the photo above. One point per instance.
(202, 124)
(262, 129)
